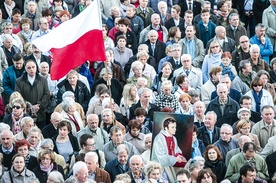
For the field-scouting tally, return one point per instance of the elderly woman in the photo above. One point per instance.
(26, 33)
(134, 136)
(244, 128)
(22, 147)
(18, 168)
(108, 121)
(194, 166)
(70, 114)
(227, 67)
(129, 98)
(174, 35)
(14, 119)
(255, 59)
(206, 176)
(165, 74)
(116, 69)
(147, 146)
(65, 143)
(183, 86)
(185, 106)
(213, 58)
(7, 29)
(166, 98)
(26, 124)
(115, 85)
(108, 42)
(260, 96)
(46, 165)
(34, 138)
(243, 113)
(137, 69)
(213, 160)
(97, 107)
(55, 177)
(73, 84)
(265, 77)
(114, 13)
(154, 170)
(148, 70)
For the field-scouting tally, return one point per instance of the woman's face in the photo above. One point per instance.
(135, 132)
(33, 138)
(19, 164)
(49, 18)
(167, 90)
(141, 118)
(123, 28)
(7, 30)
(143, 59)
(195, 171)
(46, 160)
(64, 18)
(155, 174)
(138, 72)
(72, 79)
(133, 92)
(215, 48)
(258, 87)
(63, 131)
(185, 83)
(255, 54)
(104, 31)
(178, 33)
(103, 96)
(116, 13)
(26, 27)
(194, 137)
(107, 76)
(121, 43)
(212, 154)
(107, 118)
(17, 110)
(245, 130)
(166, 71)
(148, 142)
(185, 103)
(225, 61)
(206, 178)
(58, 3)
(108, 58)
(264, 78)
(23, 150)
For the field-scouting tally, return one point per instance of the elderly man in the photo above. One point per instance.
(243, 80)
(43, 28)
(34, 88)
(144, 101)
(110, 148)
(209, 133)
(225, 42)
(155, 25)
(194, 75)
(7, 148)
(144, 12)
(241, 52)
(225, 142)
(241, 141)
(266, 48)
(265, 128)
(51, 129)
(26, 124)
(192, 45)
(95, 173)
(269, 148)
(163, 12)
(80, 173)
(119, 165)
(199, 110)
(256, 61)
(234, 30)
(136, 164)
(247, 156)
(33, 15)
(9, 48)
(92, 128)
(223, 105)
(176, 55)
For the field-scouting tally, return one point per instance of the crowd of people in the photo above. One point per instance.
(210, 60)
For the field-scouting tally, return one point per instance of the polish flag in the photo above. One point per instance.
(74, 42)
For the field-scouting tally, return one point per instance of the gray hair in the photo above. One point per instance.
(4, 37)
(142, 53)
(33, 180)
(233, 14)
(144, 80)
(144, 47)
(77, 167)
(4, 126)
(67, 103)
(68, 94)
(221, 85)
(224, 77)
(152, 31)
(142, 90)
(145, 138)
(259, 25)
(122, 148)
(205, 2)
(162, 2)
(106, 71)
(136, 64)
(254, 47)
(6, 24)
(213, 113)
(136, 156)
(93, 155)
(243, 63)
(228, 126)
(47, 143)
(176, 45)
(186, 55)
(25, 120)
(56, 176)
(35, 129)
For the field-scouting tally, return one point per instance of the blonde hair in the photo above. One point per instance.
(211, 45)
(128, 100)
(13, 96)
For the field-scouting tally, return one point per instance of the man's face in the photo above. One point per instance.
(244, 43)
(209, 121)
(155, 20)
(225, 133)
(93, 122)
(18, 64)
(260, 32)
(249, 155)
(221, 33)
(145, 97)
(186, 62)
(222, 93)
(249, 178)
(8, 43)
(130, 12)
(247, 69)
(188, 18)
(44, 25)
(90, 145)
(190, 32)
(234, 21)
(171, 129)
(268, 115)
(16, 17)
(205, 16)
(44, 68)
(117, 137)
(6, 140)
(30, 68)
(247, 103)
(162, 9)
(199, 109)
(31, 7)
(207, 6)
(255, 53)
(143, 3)
(123, 157)
(182, 178)
(82, 175)
(90, 163)
(226, 81)
(121, 43)
(136, 165)
(56, 119)
(174, 13)
(177, 52)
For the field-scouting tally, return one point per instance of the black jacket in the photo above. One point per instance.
(159, 51)
(43, 58)
(151, 61)
(217, 167)
(43, 176)
(170, 23)
(196, 7)
(204, 135)
(153, 108)
(49, 131)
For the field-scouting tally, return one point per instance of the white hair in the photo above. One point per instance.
(93, 155)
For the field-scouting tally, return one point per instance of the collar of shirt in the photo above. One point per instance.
(233, 28)
(10, 149)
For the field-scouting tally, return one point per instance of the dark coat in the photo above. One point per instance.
(113, 168)
(8, 119)
(237, 56)
(218, 168)
(151, 61)
(234, 94)
(157, 82)
(131, 40)
(230, 108)
(170, 23)
(271, 164)
(49, 131)
(241, 31)
(43, 58)
(196, 7)
(43, 176)
(82, 94)
(145, 17)
(174, 66)
(258, 8)
(4, 11)
(7, 158)
(32, 163)
(159, 51)
(10, 54)
(102, 176)
(183, 28)
(204, 135)
(153, 108)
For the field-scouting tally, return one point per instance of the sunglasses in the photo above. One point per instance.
(214, 46)
(16, 107)
(257, 85)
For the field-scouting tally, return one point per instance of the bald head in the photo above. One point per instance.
(242, 140)
(92, 121)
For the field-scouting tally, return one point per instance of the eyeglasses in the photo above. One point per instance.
(45, 159)
(91, 144)
(222, 133)
(215, 46)
(257, 85)
(8, 28)
(16, 107)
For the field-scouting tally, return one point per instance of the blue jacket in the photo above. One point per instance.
(265, 49)
(113, 168)
(205, 35)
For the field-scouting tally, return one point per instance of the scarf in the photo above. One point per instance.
(9, 8)
(227, 70)
(47, 169)
(16, 123)
(195, 146)
(27, 36)
(216, 58)
(257, 99)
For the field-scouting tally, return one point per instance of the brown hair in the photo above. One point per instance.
(256, 81)
(226, 54)
(211, 146)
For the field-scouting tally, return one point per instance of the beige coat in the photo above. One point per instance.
(268, 20)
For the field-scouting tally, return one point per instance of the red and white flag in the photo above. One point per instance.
(74, 41)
